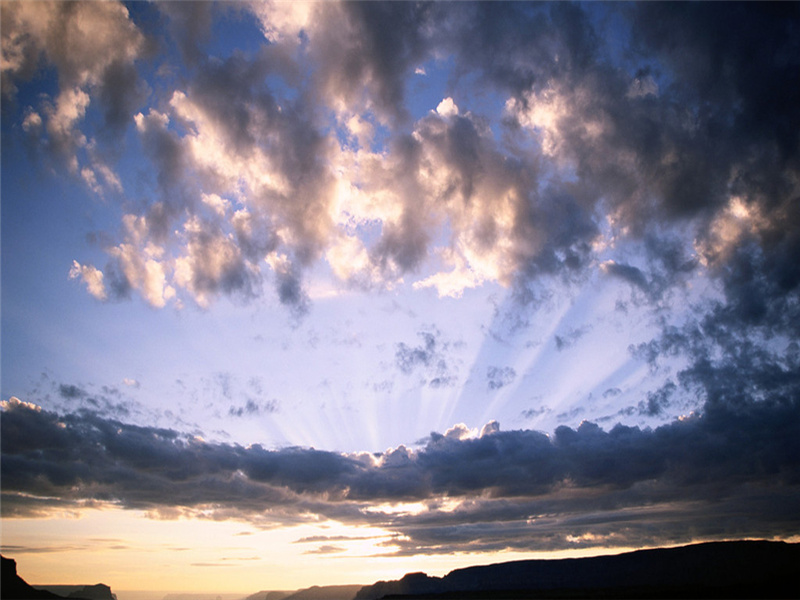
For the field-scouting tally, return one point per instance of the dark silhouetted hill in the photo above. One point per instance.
(748, 569)
(13, 587)
(270, 595)
(412, 584)
(317, 592)
(99, 591)
(326, 592)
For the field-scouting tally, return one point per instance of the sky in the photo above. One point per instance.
(324, 293)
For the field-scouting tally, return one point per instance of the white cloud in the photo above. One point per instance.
(144, 273)
(92, 277)
(282, 21)
(217, 204)
(447, 108)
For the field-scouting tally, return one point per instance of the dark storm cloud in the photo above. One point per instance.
(649, 142)
(740, 452)
(672, 150)
(452, 169)
(741, 61)
(762, 284)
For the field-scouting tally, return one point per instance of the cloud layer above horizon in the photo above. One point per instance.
(713, 476)
(362, 147)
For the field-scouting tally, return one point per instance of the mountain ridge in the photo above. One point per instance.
(732, 569)
(15, 587)
(717, 569)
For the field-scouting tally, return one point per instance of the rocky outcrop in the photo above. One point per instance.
(13, 587)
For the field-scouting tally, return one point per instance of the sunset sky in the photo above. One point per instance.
(324, 293)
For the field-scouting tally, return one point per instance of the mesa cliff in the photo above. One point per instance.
(14, 587)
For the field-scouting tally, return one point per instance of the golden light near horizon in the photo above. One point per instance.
(206, 556)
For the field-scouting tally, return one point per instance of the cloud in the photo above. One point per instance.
(658, 401)
(408, 358)
(430, 357)
(97, 37)
(247, 141)
(516, 46)
(628, 273)
(532, 413)
(190, 24)
(71, 392)
(253, 408)
(245, 144)
(504, 488)
(326, 549)
(330, 538)
(93, 49)
(213, 263)
(571, 337)
(497, 377)
(367, 68)
(310, 140)
(92, 277)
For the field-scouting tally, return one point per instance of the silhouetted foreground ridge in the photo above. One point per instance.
(316, 592)
(711, 570)
(751, 569)
(14, 587)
